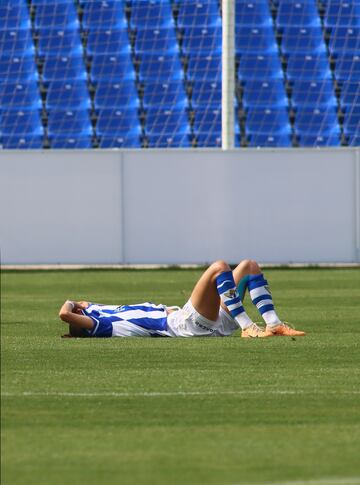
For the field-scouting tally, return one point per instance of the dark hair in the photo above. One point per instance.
(77, 332)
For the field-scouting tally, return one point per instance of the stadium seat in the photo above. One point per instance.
(14, 15)
(22, 142)
(347, 67)
(166, 95)
(206, 93)
(312, 123)
(344, 40)
(68, 95)
(62, 68)
(16, 42)
(310, 67)
(207, 127)
(151, 14)
(17, 68)
(71, 142)
(255, 40)
(20, 122)
(328, 140)
(178, 140)
(269, 93)
(350, 93)
(60, 15)
(61, 42)
(198, 13)
(20, 96)
(119, 95)
(207, 40)
(260, 67)
(118, 128)
(342, 13)
(69, 123)
(50, 2)
(297, 12)
(166, 122)
(112, 68)
(204, 67)
(261, 140)
(114, 41)
(252, 13)
(308, 40)
(313, 93)
(354, 140)
(162, 41)
(155, 67)
(267, 121)
(104, 14)
(352, 120)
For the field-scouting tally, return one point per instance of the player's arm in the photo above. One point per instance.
(70, 313)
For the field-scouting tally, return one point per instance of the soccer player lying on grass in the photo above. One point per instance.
(214, 309)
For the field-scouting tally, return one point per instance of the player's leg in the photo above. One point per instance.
(217, 286)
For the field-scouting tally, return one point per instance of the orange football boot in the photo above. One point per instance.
(253, 332)
(283, 330)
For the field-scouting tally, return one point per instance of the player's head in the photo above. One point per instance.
(76, 332)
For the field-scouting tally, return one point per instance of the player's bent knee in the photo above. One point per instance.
(219, 267)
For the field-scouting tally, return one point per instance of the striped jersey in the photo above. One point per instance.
(143, 320)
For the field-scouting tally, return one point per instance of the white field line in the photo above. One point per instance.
(176, 393)
(320, 481)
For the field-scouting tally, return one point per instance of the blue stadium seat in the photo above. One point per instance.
(161, 41)
(60, 15)
(22, 142)
(347, 67)
(14, 15)
(62, 42)
(115, 41)
(350, 93)
(178, 140)
(267, 121)
(69, 123)
(269, 93)
(308, 40)
(50, 2)
(354, 140)
(275, 140)
(20, 122)
(260, 67)
(166, 122)
(309, 67)
(252, 13)
(207, 40)
(198, 13)
(206, 93)
(112, 68)
(68, 95)
(16, 42)
(155, 67)
(204, 67)
(17, 68)
(120, 95)
(71, 142)
(61, 68)
(325, 140)
(167, 95)
(341, 13)
(151, 14)
(207, 127)
(313, 93)
(352, 121)
(104, 14)
(255, 40)
(20, 96)
(310, 123)
(344, 40)
(297, 12)
(118, 128)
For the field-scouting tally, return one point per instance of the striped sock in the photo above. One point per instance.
(262, 299)
(229, 295)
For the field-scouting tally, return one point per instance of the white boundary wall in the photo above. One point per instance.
(180, 206)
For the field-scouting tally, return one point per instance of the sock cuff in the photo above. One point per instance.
(257, 280)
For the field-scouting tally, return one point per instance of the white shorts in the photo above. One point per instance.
(188, 322)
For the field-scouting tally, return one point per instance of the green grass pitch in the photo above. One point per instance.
(180, 411)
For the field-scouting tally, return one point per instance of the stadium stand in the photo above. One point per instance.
(119, 72)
